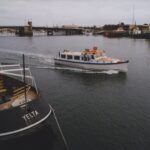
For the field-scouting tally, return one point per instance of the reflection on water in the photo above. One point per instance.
(102, 110)
(30, 141)
(95, 77)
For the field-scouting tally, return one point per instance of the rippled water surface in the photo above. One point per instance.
(103, 110)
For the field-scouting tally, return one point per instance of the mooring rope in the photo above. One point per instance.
(59, 128)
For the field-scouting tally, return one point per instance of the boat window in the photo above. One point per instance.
(76, 57)
(63, 56)
(69, 56)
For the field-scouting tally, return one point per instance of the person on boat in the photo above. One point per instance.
(85, 57)
(92, 56)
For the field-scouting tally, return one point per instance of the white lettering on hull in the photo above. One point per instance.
(29, 117)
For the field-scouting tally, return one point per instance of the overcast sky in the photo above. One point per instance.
(78, 12)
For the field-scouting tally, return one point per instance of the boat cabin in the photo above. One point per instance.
(86, 55)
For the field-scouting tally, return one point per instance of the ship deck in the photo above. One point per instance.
(12, 92)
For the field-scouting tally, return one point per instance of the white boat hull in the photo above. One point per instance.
(121, 66)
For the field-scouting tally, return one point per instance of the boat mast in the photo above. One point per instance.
(133, 17)
(24, 80)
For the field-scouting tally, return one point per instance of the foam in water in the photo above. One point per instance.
(109, 72)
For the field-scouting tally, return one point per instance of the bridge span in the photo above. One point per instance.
(28, 30)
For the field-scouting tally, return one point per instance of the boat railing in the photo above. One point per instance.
(16, 71)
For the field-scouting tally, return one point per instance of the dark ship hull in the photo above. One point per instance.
(141, 36)
(16, 122)
(113, 34)
(20, 112)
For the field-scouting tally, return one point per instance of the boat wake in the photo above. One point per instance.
(41, 61)
(32, 59)
(77, 70)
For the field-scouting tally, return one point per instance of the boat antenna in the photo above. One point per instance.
(24, 80)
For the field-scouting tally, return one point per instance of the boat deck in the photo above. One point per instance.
(12, 93)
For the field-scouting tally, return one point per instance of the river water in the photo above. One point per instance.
(96, 111)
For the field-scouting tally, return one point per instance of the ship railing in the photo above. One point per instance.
(16, 71)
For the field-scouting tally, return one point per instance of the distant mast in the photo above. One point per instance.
(133, 23)
(133, 17)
